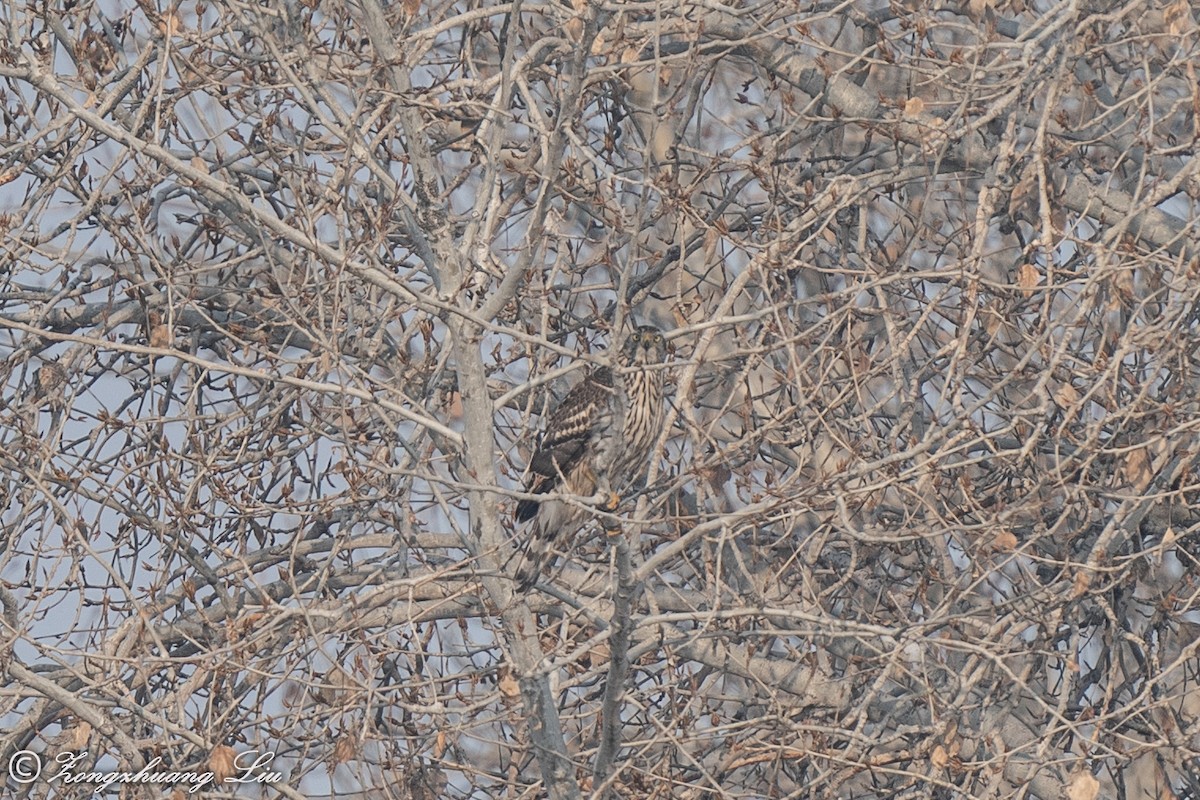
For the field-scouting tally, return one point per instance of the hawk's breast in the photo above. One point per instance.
(643, 422)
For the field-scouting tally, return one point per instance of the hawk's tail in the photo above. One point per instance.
(537, 551)
(552, 519)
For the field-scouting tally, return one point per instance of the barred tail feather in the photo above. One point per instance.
(551, 518)
(530, 566)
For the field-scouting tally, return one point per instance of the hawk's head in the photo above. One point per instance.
(646, 345)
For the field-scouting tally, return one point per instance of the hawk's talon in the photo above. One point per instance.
(611, 502)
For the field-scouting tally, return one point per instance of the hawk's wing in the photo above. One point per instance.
(564, 442)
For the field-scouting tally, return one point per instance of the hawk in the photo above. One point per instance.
(597, 439)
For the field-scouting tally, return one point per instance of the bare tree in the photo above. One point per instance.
(289, 287)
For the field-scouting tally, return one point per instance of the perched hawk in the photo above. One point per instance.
(599, 438)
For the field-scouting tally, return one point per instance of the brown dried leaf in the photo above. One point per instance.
(1021, 198)
(1027, 278)
(170, 25)
(1137, 470)
(1083, 580)
(439, 745)
(574, 26)
(509, 686)
(1178, 17)
(1170, 536)
(160, 336)
(80, 732)
(221, 763)
(345, 749)
(1005, 540)
(976, 9)
(1083, 787)
(1066, 396)
(914, 107)
(1123, 283)
(712, 240)
(338, 687)
(454, 406)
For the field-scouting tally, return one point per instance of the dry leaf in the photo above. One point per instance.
(1066, 396)
(1178, 17)
(1027, 278)
(1083, 787)
(1083, 580)
(80, 732)
(712, 240)
(338, 687)
(170, 24)
(160, 336)
(1123, 283)
(240, 628)
(939, 757)
(1005, 540)
(914, 107)
(1169, 536)
(574, 26)
(976, 9)
(600, 654)
(993, 323)
(1023, 195)
(1136, 469)
(221, 763)
(345, 749)
(509, 686)
(454, 406)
